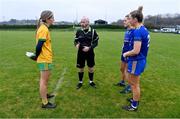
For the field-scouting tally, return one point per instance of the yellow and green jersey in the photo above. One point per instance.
(46, 53)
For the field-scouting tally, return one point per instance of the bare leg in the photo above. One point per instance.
(135, 85)
(43, 84)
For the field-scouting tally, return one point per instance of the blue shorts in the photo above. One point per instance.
(136, 67)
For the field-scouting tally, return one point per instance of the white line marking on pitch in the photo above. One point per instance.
(58, 84)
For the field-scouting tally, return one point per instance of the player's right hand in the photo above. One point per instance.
(77, 46)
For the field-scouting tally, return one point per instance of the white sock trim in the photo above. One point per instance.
(133, 106)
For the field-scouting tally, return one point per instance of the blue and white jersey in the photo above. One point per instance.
(140, 34)
(127, 39)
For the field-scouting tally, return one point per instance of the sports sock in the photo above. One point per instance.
(44, 101)
(122, 81)
(91, 77)
(80, 76)
(128, 87)
(135, 104)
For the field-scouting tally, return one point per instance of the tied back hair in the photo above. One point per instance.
(140, 8)
(138, 14)
(47, 14)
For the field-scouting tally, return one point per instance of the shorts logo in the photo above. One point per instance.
(134, 67)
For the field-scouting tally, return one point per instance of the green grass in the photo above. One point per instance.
(19, 78)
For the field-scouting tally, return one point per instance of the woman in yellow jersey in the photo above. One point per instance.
(44, 55)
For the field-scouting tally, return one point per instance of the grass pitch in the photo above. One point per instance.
(19, 78)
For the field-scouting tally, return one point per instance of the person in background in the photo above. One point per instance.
(123, 63)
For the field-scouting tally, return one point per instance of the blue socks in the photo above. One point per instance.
(122, 81)
(135, 104)
(128, 88)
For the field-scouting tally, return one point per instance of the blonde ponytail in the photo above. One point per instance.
(39, 23)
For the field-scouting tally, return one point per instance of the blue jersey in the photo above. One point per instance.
(140, 34)
(128, 36)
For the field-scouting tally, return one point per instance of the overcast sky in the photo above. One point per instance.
(70, 10)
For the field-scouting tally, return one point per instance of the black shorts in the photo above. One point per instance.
(85, 56)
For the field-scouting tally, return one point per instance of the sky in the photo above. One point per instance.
(71, 10)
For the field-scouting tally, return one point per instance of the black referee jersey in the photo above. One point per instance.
(87, 37)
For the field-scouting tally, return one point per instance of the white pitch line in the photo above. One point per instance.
(58, 84)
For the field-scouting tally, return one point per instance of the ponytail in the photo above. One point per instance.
(140, 8)
(138, 14)
(39, 23)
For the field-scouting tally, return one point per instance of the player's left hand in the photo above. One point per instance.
(86, 49)
(33, 58)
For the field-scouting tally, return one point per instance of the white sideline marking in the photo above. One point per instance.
(58, 84)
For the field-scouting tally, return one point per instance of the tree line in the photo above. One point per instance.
(150, 21)
(158, 21)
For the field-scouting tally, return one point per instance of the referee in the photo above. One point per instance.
(86, 40)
